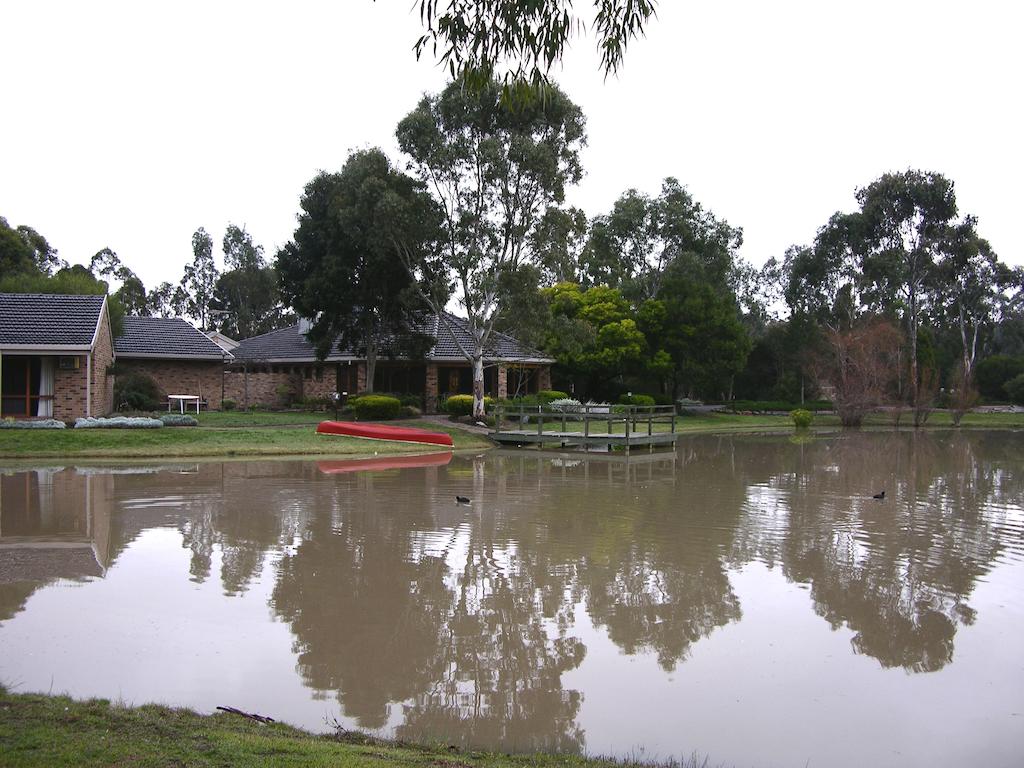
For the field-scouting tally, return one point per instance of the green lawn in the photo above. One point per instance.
(209, 441)
(57, 731)
(292, 434)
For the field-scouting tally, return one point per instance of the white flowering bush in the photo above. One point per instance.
(35, 424)
(119, 422)
(178, 420)
(565, 404)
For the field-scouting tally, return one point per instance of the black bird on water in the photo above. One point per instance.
(462, 499)
(879, 495)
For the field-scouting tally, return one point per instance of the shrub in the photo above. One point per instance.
(545, 396)
(375, 407)
(462, 405)
(801, 419)
(1015, 389)
(409, 412)
(994, 373)
(178, 420)
(135, 391)
(39, 424)
(405, 398)
(119, 422)
(566, 405)
(636, 400)
(228, 405)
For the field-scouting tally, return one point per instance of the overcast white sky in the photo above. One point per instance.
(131, 124)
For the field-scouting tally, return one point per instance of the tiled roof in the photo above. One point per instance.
(290, 344)
(48, 320)
(169, 337)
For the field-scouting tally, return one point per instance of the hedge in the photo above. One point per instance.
(1015, 389)
(462, 405)
(636, 400)
(375, 407)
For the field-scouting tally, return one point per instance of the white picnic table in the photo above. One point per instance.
(182, 399)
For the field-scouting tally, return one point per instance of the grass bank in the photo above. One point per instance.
(292, 434)
(214, 437)
(56, 731)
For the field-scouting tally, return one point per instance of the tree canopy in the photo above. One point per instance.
(362, 234)
(493, 171)
(519, 42)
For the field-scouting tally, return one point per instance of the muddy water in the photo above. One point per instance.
(742, 598)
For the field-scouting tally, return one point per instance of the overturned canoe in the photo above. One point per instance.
(384, 462)
(383, 432)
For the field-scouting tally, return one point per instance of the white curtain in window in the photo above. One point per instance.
(46, 388)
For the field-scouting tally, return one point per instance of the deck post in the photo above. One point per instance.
(650, 423)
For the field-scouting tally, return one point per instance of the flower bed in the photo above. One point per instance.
(119, 422)
(32, 424)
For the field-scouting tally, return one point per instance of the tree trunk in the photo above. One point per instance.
(478, 386)
(371, 363)
(913, 350)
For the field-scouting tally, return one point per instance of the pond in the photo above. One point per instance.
(743, 598)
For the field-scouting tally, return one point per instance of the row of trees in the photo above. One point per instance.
(889, 303)
(479, 219)
(905, 259)
(241, 301)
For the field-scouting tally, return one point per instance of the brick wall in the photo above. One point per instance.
(326, 386)
(70, 391)
(180, 377)
(102, 381)
(430, 389)
(262, 385)
(502, 382)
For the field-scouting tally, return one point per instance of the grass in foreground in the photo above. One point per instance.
(202, 441)
(56, 731)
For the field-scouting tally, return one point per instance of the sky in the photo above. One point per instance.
(129, 125)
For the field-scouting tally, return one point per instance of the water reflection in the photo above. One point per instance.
(431, 620)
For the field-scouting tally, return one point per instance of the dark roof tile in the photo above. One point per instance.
(165, 337)
(43, 319)
(290, 344)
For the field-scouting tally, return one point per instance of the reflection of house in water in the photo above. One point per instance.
(54, 524)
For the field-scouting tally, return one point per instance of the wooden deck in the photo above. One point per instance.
(642, 426)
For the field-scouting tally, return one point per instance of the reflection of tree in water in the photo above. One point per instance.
(628, 540)
(456, 629)
(502, 654)
(365, 610)
(899, 572)
(244, 511)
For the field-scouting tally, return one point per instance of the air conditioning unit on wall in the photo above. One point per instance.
(68, 363)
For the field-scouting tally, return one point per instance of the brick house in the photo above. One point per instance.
(55, 356)
(283, 366)
(177, 356)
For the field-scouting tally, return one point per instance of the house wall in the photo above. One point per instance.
(180, 377)
(325, 386)
(70, 390)
(260, 385)
(102, 380)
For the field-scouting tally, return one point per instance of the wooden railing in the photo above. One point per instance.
(635, 418)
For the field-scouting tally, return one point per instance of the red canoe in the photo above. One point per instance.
(384, 462)
(383, 432)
